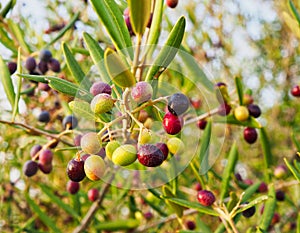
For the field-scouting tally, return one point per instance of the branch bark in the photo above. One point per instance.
(32, 130)
(93, 209)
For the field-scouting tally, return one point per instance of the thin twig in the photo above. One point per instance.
(32, 130)
(203, 116)
(165, 220)
(136, 55)
(94, 208)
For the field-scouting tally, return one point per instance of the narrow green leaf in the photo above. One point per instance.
(293, 170)
(119, 73)
(97, 55)
(55, 199)
(65, 29)
(239, 88)
(269, 211)
(156, 23)
(176, 208)
(168, 51)
(294, 11)
(230, 119)
(295, 141)
(297, 164)
(79, 50)
(75, 69)
(19, 35)
(197, 174)
(118, 225)
(69, 88)
(42, 215)
(19, 85)
(7, 82)
(27, 224)
(139, 15)
(266, 148)
(35, 78)
(7, 41)
(250, 191)
(233, 200)
(9, 6)
(193, 70)
(231, 162)
(112, 18)
(193, 205)
(204, 149)
(76, 204)
(253, 203)
(155, 207)
(28, 91)
(155, 193)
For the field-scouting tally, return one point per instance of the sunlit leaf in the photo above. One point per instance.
(7, 41)
(229, 169)
(239, 88)
(19, 35)
(19, 85)
(97, 55)
(230, 119)
(266, 147)
(75, 69)
(156, 23)
(253, 203)
(9, 6)
(65, 29)
(112, 18)
(204, 149)
(69, 88)
(294, 11)
(269, 211)
(293, 170)
(176, 208)
(7, 82)
(139, 14)
(119, 73)
(168, 51)
(35, 78)
(194, 205)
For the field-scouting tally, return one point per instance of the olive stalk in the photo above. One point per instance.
(33, 130)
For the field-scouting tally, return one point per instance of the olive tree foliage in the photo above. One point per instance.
(252, 46)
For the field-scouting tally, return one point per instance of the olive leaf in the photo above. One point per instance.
(97, 55)
(168, 51)
(112, 18)
(232, 160)
(175, 207)
(7, 82)
(139, 15)
(117, 70)
(75, 69)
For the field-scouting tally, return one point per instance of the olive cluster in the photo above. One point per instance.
(46, 62)
(95, 151)
(42, 156)
(241, 113)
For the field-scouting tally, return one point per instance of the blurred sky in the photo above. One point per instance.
(257, 13)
